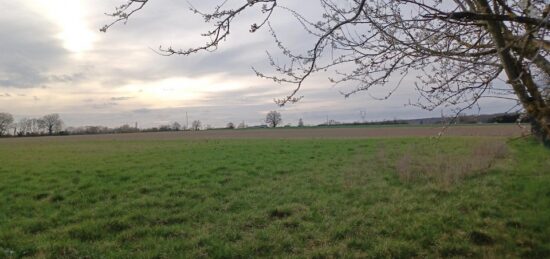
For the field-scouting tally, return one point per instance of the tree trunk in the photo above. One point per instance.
(521, 80)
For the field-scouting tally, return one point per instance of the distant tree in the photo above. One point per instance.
(29, 126)
(176, 126)
(230, 125)
(507, 118)
(165, 128)
(6, 120)
(300, 123)
(24, 126)
(126, 128)
(41, 125)
(241, 125)
(34, 126)
(333, 122)
(90, 130)
(52, 123)
(196, 125)
(273, 119)
(13, 128)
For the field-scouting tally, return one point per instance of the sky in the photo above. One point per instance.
(54, 59)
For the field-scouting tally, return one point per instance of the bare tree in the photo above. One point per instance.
(273, 118)
(36, 126)
(241, 125)
(6, 120)
(24, 126)
(176, 126)
(455, 51)
(196, 125)
(52, 123)
(30, 126)
(13, 127)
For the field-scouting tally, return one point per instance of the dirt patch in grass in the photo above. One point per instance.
(447, 167)
(480, 238)
(279, 214)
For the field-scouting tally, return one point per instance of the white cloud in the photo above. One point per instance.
(75, 32)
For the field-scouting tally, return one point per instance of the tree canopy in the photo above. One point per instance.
(273, 118)
(6, 120)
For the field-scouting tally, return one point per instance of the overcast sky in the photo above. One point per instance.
(55, 60)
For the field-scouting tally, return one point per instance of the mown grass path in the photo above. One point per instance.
(244, 198)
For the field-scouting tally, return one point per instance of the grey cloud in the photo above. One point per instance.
(104, 105)
(231, 61)
(21, 76)
(72, 78)
(29, 50)
(143, 110)
(163, 27)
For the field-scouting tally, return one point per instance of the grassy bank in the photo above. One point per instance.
(237, 198)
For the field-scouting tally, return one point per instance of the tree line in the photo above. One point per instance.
(50, 124)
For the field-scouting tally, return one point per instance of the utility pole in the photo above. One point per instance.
(363, 115)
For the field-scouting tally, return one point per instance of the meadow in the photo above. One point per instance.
(224, 198)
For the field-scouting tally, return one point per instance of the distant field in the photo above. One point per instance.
(165, 197)
(486, 130)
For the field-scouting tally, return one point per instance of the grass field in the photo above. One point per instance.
(391, 197)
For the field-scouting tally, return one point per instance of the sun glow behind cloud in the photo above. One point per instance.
(69, 15)
(178, 91)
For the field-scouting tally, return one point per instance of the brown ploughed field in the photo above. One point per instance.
(492, 130)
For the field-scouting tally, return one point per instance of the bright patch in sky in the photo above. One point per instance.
(69, 15)
(178, 91)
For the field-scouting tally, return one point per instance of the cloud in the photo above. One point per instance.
(115, 78)
(121, 98)
(29, 51)
(105, 105)
(142, 110)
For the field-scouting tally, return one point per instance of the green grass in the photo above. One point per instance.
(282, 198)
